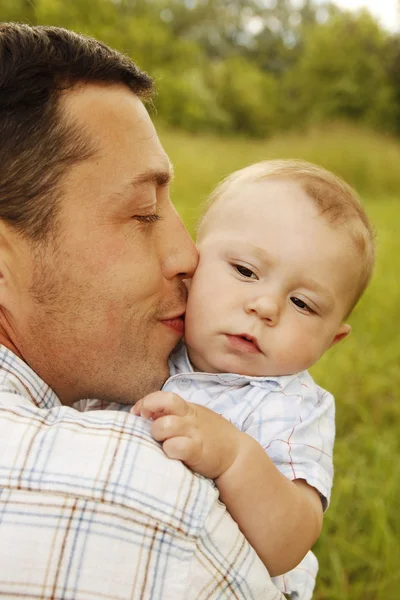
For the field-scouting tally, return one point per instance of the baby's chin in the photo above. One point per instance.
(223, 364)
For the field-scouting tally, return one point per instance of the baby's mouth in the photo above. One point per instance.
(244, 342)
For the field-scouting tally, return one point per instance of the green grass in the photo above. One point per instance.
(359, 550)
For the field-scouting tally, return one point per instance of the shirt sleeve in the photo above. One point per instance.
(297, 430)
(90, 507)
(225, 565)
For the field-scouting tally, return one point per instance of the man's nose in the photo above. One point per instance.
(266, 307)
(178, 253)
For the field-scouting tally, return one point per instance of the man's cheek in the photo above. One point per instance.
(101, 253)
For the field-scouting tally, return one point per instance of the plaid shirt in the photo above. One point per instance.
(91, 508)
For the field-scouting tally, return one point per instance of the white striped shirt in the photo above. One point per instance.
(290, 416)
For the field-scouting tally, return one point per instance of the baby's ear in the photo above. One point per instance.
(342, 333)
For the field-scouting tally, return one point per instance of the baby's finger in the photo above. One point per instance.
(182, 448)
(164, 403)
(136, 408)
(141, 409)
(169, 426)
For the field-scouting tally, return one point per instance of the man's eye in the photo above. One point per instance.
(147, 218)
(245, 272)
(302, 305)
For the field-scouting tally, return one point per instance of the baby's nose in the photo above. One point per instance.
(266, 308)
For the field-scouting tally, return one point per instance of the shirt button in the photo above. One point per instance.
(184, 384)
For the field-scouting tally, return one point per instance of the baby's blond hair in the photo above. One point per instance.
(337, 201)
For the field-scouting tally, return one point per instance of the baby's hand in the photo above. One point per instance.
(199, 437)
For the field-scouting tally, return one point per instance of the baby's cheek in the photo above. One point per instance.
(305, 354)
(192, 333)
(197, 310)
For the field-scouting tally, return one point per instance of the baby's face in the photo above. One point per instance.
(273, 284)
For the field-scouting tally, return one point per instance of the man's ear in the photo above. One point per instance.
(6, 241)
(342, 333)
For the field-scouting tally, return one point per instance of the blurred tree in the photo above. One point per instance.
(92, 17)
(251, 66)
(267, 31)
(247, 95)
(187, 100)
(277, 41)
(392, 63)
(342, 74)
(220, 27)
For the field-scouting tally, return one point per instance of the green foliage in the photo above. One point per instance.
(340, 73)
(359, 549)
(244, 66)
(186, 100)
(247, 95)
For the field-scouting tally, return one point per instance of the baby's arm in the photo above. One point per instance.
(280, 518)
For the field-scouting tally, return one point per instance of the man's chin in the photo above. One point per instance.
(154, 384)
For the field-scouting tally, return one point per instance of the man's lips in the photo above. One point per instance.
(176, 323)
(244, 343)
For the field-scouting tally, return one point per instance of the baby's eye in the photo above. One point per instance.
(302, 305)
(245, 272)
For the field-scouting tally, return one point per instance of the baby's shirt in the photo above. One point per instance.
(290, 416)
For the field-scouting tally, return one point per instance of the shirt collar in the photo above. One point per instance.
(16, 376)
(279, 382)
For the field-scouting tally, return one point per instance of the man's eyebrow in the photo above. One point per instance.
(156, 176)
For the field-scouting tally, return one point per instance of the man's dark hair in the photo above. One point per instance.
(37, 145)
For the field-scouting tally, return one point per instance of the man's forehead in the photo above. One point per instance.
(109, 113)
(99, 92)
(116, 124)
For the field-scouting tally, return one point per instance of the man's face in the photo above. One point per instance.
(273, 284)
(97, 312)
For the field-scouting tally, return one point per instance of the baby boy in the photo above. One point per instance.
(286, 251)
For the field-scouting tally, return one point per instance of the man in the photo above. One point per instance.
(92, 262)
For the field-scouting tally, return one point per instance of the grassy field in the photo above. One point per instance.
(359, 550)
